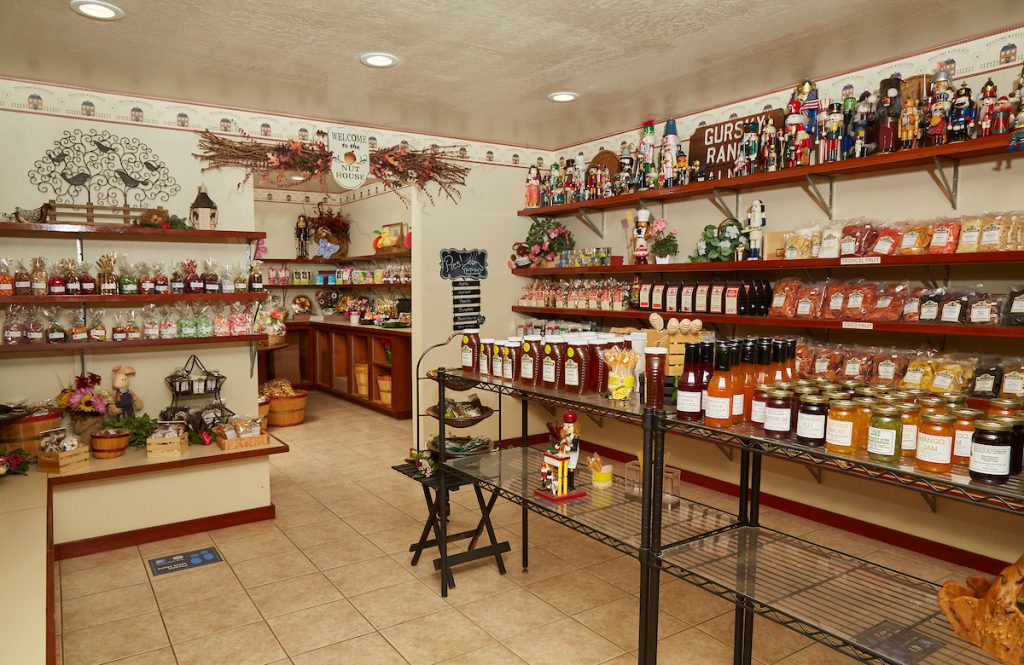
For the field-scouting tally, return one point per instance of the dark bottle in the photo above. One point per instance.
(743, 299)
(707, 365)
(763, 360)
(689, 388)
(777, 370)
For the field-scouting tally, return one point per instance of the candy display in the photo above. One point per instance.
(606, 294)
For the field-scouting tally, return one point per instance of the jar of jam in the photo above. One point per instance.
(935, 442)
(470, 350)
(963, 433)
(552, 362)
(1016, 424)
(529, 362)
(865, 391)
(484, 353)
(839, 428)
(810, 423)
(910, 414)
(850, 385)
(511, 359)
(931, 404)
(861, 420)
(991, 452)
(758, 404)
(498, 359)
(885, 433)
(576, 372)
(834, 395)
(1004, 406)
(655, 361)
(778, 414)
(954, 400)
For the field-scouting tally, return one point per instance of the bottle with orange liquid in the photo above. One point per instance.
(718, 405)
(745, 383)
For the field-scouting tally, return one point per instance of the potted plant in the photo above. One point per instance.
(545, 241)
(719, 243)
(664, 243)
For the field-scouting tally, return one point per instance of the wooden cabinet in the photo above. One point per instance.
(324, 355)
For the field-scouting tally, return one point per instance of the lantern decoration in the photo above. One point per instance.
(203, 211)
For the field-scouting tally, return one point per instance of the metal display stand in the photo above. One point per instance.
(867, 611)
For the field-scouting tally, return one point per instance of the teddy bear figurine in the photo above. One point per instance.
(126, 402)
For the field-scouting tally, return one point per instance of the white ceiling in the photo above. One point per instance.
(476, 69)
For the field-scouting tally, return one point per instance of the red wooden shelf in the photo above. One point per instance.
(125, 232)
(983, 147)
(343, 259)
(782, 264)
(337, 286)
(128, 344)
(784, 322)
(141, 299)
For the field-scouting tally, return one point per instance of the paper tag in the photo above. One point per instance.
(858, 325)
(884, 245)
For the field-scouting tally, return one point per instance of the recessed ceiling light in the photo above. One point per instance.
(379, 59)
(97, 9)
(564, 96)
(298, 177)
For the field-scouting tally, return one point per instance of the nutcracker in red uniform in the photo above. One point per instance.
(986, 108)
(888, 119)
(830, 148)
(769, 144)
(1001, 113)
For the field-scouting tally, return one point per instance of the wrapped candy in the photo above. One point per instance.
(168, 323)
(58, 441)
(106, 279)
(204, 322)
(55, 333)
(150, 322)
(79, 332)
(119, 331)
(85, 278)
(186, 321)
(14, 330)
(6, 278)
(68, 269)
(131, 326)
(39, 276)
(22, 280)
(241, 279)
(33, 325)
(147, 283)
(256, 277)
(238, 320)
(227, 280)
(277, 388)
(127, 279)
(161, 281)
(56, 285)
(190, 274)
(221, 322)
(97, 328)
(177, 281)
(210, 276)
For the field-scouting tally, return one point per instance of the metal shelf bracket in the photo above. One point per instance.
(815, 472)
(597, 420)
(645, 204)
(732, 210)
(584, 216)
(826, 204)
(725, 450)
(252, 359)
(931, 500)
(950, 186)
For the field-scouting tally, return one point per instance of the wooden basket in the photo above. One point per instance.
(485, 412)
(457, 383)
(362, 372)
(167, 447)
(109, 446)
(77, 213)
(24, 432)
(63, 461)
(985, 612)
(264, 409)
(384, 386)
(287, 410)
(225, 443)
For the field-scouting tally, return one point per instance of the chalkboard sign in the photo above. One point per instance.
(464, 264)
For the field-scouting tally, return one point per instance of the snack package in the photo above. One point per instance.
(805, 355)
(834, 299)
(861, 297)
(128, 279)
(239, 321)
(132, 326)
(1016, 240)
(988, 377)
(68, 269)
(106, 274)
(888, 368)
(118, 329)
(930, 305)
(809, 301)
(912, 304)
(945, 233)
(147, 280)
(829, 362)
(168, 323)
(1013, 307)
(13, 331)
(177, 280)
(995, 233)
(150, 322)
(1013, 379)
(227, 279)
(858, 236)
(831, 238)
(919, 374)
(39, 276)
(32, 322)
(242, 279)
(803, 243)
(952, 375)
(55, 332)
(79, 331)
(916, 239)
(221, 322)
(56, 285)
(970, 235)
(784, 298)
(256, 277)
(6, 278)
(85, 278)
(858, 364)
(890, 303)
(190, 274)
(953, 307)
(97, 328)
(888, 240)
(984, 309)
(621, 368)
(161, 280)
(211, 276)
(186, 321)
(204, 322)
(22, 280)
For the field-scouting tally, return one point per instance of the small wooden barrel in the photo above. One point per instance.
(24, 432)
(288, 410)
(362, 373)
(108, 446)
(264, 409)
(384, 386)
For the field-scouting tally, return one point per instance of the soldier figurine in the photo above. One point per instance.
(961, 122)
(302, 238)
(909, 120)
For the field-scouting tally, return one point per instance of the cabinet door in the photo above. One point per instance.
(341, 364)
(324, 359)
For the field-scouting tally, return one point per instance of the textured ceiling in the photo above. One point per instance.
(476, 69)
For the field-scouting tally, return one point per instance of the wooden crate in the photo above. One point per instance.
(63, 461)
(77, 213)
(167, 447)
(225, 443)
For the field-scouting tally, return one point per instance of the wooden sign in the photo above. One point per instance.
(463, 264)
(716, 147)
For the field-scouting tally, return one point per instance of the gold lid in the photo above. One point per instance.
(885, 409)
(814, 399)
(844, 404)
(993, 425)
(931, 400)
(1006, 403)
(907, 407)
(775, 392)
(763, 387)
(968, 413)
(852, 383)
(864, 401)
(943, 418)
(805, 390)
(837, 394)
(1016, 420)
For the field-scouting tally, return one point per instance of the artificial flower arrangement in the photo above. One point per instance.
(545, 241)
(84, 397)
(327, 223)
(663, 242)
(14, 463)
(270, 319)
(719, 243)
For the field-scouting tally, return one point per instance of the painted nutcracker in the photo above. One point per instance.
(569, 182)
(1001, 116)
(580, 175)
(830, 149)
(592, 185)
(669, 145)
(756, 221)
(626, 161)
(769, 143)
(532, 187)
(557, 189)
(605, 182)
(986, 108)
(849, 104)
(546, 197)
(648, 156)
(750, 146)
(962, 120)
(863, 121)
(569, 446)
(888, 120)
(938, 126)
(804, 146)
(682, 168)
(641, 236)
(909, 120)
(1017, 133)
(1018, 88)
(940, 102)
(302, 237)
(810, 105)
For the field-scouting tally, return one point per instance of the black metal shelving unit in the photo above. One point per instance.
(866, 611)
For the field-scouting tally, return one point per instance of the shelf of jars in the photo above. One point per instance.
(141, 299)
(781, 264)
(879, 162)
(344, 259)
(63, 347)
(405, 285)
(124, 232)
(912, 328)
(851, 605)
(956, 484)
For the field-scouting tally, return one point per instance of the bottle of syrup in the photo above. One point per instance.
(688, 390)
(718, 404)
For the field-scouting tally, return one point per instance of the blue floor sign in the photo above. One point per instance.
(175, 562)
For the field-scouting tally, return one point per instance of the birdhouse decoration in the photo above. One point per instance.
(203, 211)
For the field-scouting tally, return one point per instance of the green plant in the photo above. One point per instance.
(141, 427)
(719, 243)
(665, 245)
(547, 239)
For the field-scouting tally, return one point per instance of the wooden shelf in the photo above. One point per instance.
(141, 299)
(339, 286)
(344, 259)
(381, 364)
(124, 232)
(782, 264)
(25, 349)
(992, 145)
(1016, 332)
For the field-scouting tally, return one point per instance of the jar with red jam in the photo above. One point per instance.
(552, 362)
(778, 414)
(757, 405)
(529, 361)
(576, 370)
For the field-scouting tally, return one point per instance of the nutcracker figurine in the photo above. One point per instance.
(569, 446)
(804, 146)
(888, 120)
(941, 95)
(641, 236)
(794, 122)
(751, 146)
(605, 183)
(532, 187)
(302, 237)
(648, 156)
(569, 183)
(961, 122)
(938, 126)
(769, 143)
(1018, 88)
(669, 145)
(580, 175)
(623, 182)
(986, 108)
(756, 221)
(558, 470)
(557, 185)
(849, 104)
(909, 120)
(546, 197)
(830, 149)
(863, 121)
(1017, 133)
(807, 93)
(682, 169)
(1001, 114)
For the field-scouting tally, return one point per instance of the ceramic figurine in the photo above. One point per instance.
(623, 182)
(1001, 116)
(938, 126)
(961, 122)
(769, 143)
(682, 169)
(302, 237)
(648, 156)
(1017, 133)
(641, 236)
(751, 145)
(669, 145)
(909, 120)
(756, 221)
(203, 211)
(569, 446)
(126, 402)
(986, 108)
(888, 120)
(830, 148)
(532, 187)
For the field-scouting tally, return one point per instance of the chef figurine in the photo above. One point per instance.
(532, 187)
(756, 221)
(669, 145)
(1017, 133)
(569, 445)
(909, 120)
(986, 108)
(301, 238)
(961, 122)
(889, 120)
(641, 236)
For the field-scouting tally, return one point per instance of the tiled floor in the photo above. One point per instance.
(329, 582)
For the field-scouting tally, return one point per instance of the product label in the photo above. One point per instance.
(688, 402)
(839, 433)
(120, 336)
(984, 383)
(962, 443)
(6, 288)
(645, 296)
(757, 409)
(943, 380)
(884, 245)
(572, 373)
(886, 370)
(497, 366)
(168, 330)
(1013, 383)
(737, 404)
(672, 299)
(196, 285)
(134, 334)
(39, 286)
(990, 235)
(852, 367)
(881, 441)
(913, 377)
(848, 245)
(719, 408)
(858, 325)
(686, 299)
(23, 285)
(79, 336)
(835, 303)
(700, 297)
(152, 331)
(657, 297)
(883, 302)
(950, 311)
(12, 336)
(940, 237)
(526, 367)
(855, 300)
(548, 369)
(148, 286)
(911, 306)
(732, 299)
(969, 236)
(829, 246)
(991, 460)
(178, 286)
(715, 306)
(1017, 306)
(778, 300)
(56, 290)
(929, 310)
(507, 368)
(467, 356)
(934, 448)
(981, 312)
(810, 426)
(804, 306)
(212, 287)
(56, 335)
(485, 364)
(777, 420)
(225, 287)
(33, 334)
(909, 438)
(821, 365)
(909, 240)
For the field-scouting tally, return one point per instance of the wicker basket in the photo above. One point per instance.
(109, 445)
(362, 372)
(287, 410)
(264, 409)
(24, 432)
(456, 383)
(384, 386)
(486, 412)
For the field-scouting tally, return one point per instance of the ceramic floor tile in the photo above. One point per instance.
(395, 604)
(587, 647)
(386, 517)
(192, 541)
(257, 546)
(114, 640)
(203, 583)
(700, 649)
(319, 532)
(256, 572)
(242, 531)
(511, 613)
(164, 656)
(542, 565)
(204, 617)
(622, 571)
(691, 604)
(107, 606)
(253, 644)
(772, 642)
(619, 622)
(319, 626)
(474, 581)
(579, 549)
(297, 593)
(495, 654)
(369, 575)
(396, 540)
(340, 552)
(105, 577)
(290, 518)
(451, 633)
(370, 649)
(575, 591)
(100, 559)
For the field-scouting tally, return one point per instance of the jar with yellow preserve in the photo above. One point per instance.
(840, 425)
(963, 433)
(935, 443)
(931, 404)
(885, 432)
(862, 418)
(910, 414)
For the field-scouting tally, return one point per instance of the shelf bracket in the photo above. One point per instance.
(826, 204)
(725, 450)
(597, 420)
(950, 186)
(550, 409)
(731, 210)
(584, 216)
(931, 500)
(815, 472)
(645, 204)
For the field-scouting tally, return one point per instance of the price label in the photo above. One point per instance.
(858, 325)
(860, 260)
